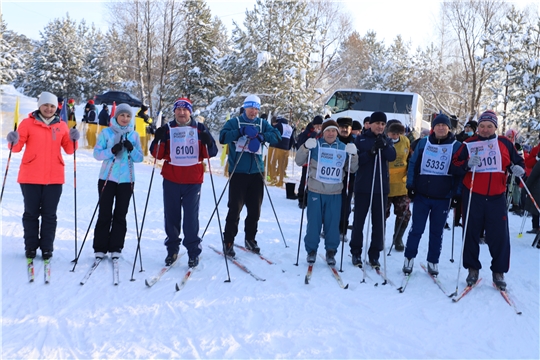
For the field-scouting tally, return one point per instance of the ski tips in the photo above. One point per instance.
(346, 287)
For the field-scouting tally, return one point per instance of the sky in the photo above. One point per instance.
(387, 18)
(415, 20)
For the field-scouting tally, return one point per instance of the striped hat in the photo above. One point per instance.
(490, 116)
(183, 103)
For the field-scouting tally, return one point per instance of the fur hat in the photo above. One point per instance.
(317, 120)
(441, 119)
(490, 116)
(329, 124)
(252, 101)
(123, 109)
(47, 98)
(377, 116)
(344, 121)
(183, 103)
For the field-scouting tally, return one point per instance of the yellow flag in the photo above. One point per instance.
(224, 150)
(16, 115)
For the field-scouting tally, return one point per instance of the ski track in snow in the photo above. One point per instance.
(278, 318)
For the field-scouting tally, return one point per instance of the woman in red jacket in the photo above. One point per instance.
(41, 173)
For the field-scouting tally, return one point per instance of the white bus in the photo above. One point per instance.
(358, 104)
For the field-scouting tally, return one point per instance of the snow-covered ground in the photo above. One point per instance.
(277, 318)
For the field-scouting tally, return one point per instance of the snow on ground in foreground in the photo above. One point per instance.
(278, 318)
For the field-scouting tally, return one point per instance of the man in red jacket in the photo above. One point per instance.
(183, 143)
(484, 159)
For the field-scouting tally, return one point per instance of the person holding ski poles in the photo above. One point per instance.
(485, 159)
(118, 146)
(432, 182)
(368, 194)
(183, 143)
(328, 165)
(244, 136)
(41, 173)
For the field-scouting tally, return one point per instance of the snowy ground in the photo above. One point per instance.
(278, 318)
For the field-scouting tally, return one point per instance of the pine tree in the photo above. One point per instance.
(10, 64)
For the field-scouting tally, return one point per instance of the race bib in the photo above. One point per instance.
(184, 146)
(330, 165)
(287, 131)
(436, 159)
(489, 153)
(241, 144)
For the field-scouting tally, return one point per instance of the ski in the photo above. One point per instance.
(380, 273)
(47, 270)
(508, 299)
(336, 274)
(465, 291)
(116, 271)
(404, 282)
(154, 279)
(259, 255)
(308, 274)
(181, 284)
(237, 263)
(30, 269)
(91, 270)
(436, 280)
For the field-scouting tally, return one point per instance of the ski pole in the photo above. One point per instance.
(465, 231)
(75, 192)
(303, 209)
(272, 205)
(7, 166)
(344, 207)
(510, 192)
(139, 234)
(369, 215)
(76, 260)
(453, 228)
(520, 235)
(382, 215)
(219, 221)
(530, 195)
(225, 188)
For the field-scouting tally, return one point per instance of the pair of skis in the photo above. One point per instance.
(46, 270)
(239, 264)
(332, 268)
(97, 261)
(504, 293)
(178, 286)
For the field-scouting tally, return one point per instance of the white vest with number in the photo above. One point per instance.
(184, 146)
(241, 143)
(287, 131)
(490, 155)
(330, 165)
(436, 159)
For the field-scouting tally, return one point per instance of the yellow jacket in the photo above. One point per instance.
(140, 125)
(398, 167)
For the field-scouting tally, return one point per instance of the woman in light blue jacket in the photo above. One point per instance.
(119, 146)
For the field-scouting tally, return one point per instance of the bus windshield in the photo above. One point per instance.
(370, 102)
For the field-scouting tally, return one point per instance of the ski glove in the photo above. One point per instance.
(411, 194)
(350, 148)
(206, 138)
(117, 148)
(475, 160)
(249, 131)
(517, 170)
(254, 144)
(128, 145)
(161, 133)
(74, 134)
(380, 143)
(455, 201)
(13, 137)
(310, 143)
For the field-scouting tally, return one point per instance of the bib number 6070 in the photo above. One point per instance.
(330, 171)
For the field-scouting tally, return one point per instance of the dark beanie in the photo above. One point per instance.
(396, 128)
(329, 124)
(356, 125)
(344, 121)
(441, 119)
(366, 119)
(490, 116)
(317, 120)
(472, 124)
(377, 116)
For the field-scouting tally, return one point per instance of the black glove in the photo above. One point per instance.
(161, 133)
(380, 143)
(117, 148)
(411, 194)
(455, 201)
(205, 138)
(128, 145)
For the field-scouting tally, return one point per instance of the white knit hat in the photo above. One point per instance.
(47, 98)
(252, 101)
